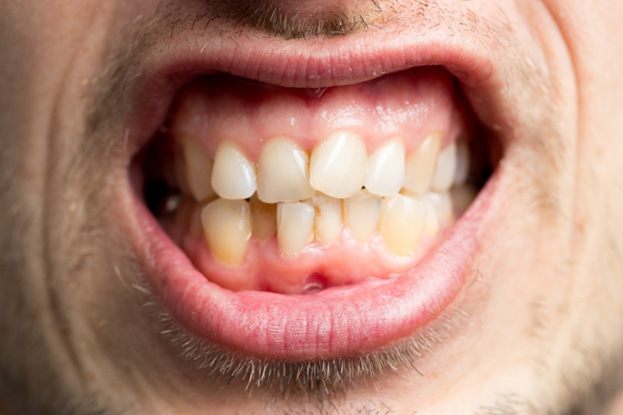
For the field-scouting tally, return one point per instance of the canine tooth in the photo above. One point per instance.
(263, 219)
(295, 227)
(338, 165)
(420, 166)
(462, 163)
(283, 172)
(227, 229)
(198, 170)
(328, 222)
(461, 197)
(443, 207)
(446, 169)
(361, 215)
(386, 169)
(402, 221)
(233, 176)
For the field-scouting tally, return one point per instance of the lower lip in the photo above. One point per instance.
(337, 322)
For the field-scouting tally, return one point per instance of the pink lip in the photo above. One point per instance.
(332, 323)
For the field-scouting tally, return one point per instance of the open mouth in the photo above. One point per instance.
(311, 223)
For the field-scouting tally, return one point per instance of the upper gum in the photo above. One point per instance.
(431, 109)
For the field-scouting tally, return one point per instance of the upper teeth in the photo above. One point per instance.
(301, 198)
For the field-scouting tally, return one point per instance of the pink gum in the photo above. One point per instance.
(411, 105)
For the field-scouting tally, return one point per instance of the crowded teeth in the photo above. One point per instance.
(198, 170)
(233, 176)
(402, 222)
(443, 207)
(420, 166)
(283, 172)
(328, 221)
(431, 221)
(263, 219)
(338, 165)
(361, 215)
(227, 229)
(446, 169)
(295, 227)
(386, 169)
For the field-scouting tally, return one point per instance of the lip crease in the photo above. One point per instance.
(336, 322)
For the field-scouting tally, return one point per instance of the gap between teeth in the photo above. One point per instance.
(299, 198)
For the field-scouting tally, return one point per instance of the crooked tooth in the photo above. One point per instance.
(402, 222)
(445, 170)
(227, 229)
(295, 227)
(263, 219)
(338, 165)
(462, 163)
(233, 176)
(431, 221)
(328, 222)
(443, 207)
(198, 170)
(361, 215)
(283, 172)
(420, 166)
(386, 169)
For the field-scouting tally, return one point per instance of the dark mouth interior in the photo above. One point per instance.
(156, 183)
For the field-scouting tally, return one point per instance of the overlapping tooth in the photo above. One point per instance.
(420, 165)
(233, 175)
(446, 169)
(263, 219)
(386, 169)
(431, 220)
(227, 229)
(361, 215)
(443, 207)
(282, 174)
(328, 220)
(402, 223)
(295, 227)
(338, 165)
(198, 170)
(462, 163)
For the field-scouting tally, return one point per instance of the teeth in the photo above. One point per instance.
(461, 197)
(233, 176)
(338, 165)
(446, 169)
(263, 219)
(443, 207)
(295, 227)
(198, 170)
(420, 166)
(462, 163)
(431, 221)
(328, 223)
(282, 172)
(227, 229)
(361, 215)
(386, 169)
(402, 221)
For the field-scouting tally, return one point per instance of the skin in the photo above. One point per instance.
(538, 332)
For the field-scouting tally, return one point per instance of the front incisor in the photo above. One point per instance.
(227, 229)
(402, 223)
(295, 227)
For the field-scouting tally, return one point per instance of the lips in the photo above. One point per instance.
(336, 322)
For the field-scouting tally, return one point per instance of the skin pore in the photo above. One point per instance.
(536, 331)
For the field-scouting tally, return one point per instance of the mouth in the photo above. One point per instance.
(285, 214)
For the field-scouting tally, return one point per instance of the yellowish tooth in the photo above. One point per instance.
(328, 222)
(462, 163)
(420, 166)
(198, 170)
(227, 229)
(461, 198)
(233, 176)
(263, 219)
(445, 170)
(338, 165)
(295, 227)
(386, 169)
(443, 207)
(361, 215)
(283, 172)
(431, 221)
(402, 223)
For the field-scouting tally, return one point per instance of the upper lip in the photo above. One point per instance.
(324, 326)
